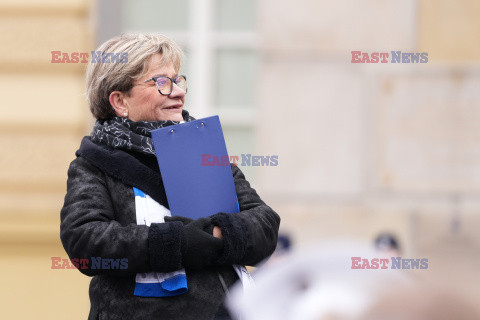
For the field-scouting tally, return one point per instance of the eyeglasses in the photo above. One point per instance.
(165, 84)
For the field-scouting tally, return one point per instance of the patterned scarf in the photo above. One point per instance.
(125, 134)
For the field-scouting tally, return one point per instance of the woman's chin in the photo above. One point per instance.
(171, 114)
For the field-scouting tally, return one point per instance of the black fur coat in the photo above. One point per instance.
(98, 220)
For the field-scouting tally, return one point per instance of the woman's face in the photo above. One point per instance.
(145, 103)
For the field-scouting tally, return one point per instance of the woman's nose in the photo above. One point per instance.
(177, 91)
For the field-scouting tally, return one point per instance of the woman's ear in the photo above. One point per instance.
(117, 102)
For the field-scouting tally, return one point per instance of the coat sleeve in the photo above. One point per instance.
(88, 230)
(250, 235)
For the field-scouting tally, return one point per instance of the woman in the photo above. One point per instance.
(187, 263)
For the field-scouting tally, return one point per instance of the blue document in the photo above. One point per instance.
(195, 168)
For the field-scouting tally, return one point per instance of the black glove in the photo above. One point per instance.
(183, 220)
(208, 228)
(199, 247)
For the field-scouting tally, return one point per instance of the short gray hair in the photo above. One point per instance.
(104, 78)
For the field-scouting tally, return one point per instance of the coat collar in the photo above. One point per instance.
(125, 167)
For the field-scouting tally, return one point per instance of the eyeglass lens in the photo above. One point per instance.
(164, 84)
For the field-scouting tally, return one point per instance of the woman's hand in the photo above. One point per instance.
(199, 249)
(217, 232)
(202, 242)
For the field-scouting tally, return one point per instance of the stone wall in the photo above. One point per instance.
(365, 148)
(42, 121)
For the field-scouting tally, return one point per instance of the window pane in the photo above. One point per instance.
(235, 15)
(235, 78)
(155, 15)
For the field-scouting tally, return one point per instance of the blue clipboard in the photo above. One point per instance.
(196, 173)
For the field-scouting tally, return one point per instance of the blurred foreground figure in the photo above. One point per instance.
(388, 244)
(319, 283)
(421, 303)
